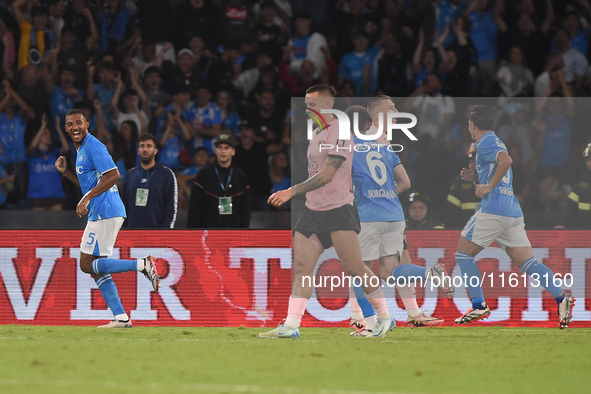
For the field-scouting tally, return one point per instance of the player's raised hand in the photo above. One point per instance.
(60, 164)
(279, 198)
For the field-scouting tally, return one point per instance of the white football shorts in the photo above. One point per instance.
(485, 228)
(380, 239)
(100, 235)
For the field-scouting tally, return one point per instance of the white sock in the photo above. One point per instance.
(371, 322)
(141, 264)
(357, 315)
(293, 323)
(413, 312)
(122, 317)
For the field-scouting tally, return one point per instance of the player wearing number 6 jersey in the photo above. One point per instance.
(379, 177)
(499, 219)
(97, 175)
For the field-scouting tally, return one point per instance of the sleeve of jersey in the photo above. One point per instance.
(103, 161)
(395, 159)
(489, 150)
(336, 147)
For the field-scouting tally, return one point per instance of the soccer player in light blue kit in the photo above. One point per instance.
(499, 219)
(379, 177)
(97, 175)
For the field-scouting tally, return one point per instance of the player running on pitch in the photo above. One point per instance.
(379, 177)
(499, 219)
(97, 175)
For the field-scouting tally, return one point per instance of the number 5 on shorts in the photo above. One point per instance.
(91, 236)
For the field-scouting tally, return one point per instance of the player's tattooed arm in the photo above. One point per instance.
(332, 165)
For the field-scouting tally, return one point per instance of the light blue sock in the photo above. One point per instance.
(363, 302)
(109, 291)
(546, 277)
(113, 266)
(469, 267)
(410, 272)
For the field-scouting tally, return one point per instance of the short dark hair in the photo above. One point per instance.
(375, 101)
(76, 112)
(84, 104)
(148, 136)
(482, 116)
(107, 65)
(322, 89)
(152, 70)
(363, 117)
(201, 149)
(39, 10)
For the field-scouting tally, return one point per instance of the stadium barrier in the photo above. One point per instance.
(233, 278)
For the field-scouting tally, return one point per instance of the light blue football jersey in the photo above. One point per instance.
(93, 160)
(373, 180)
(500, 201)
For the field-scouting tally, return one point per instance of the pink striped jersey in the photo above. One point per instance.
(337, 192)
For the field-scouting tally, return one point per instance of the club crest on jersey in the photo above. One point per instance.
(81, 158)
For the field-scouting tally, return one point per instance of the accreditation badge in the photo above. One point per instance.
(141, 197)
(225, 205)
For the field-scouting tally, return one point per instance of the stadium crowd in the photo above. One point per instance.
(188, 71)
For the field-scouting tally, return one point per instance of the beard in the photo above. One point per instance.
(147, 160)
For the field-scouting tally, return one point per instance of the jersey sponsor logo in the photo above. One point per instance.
(44, 167)
(79, 170)
(506, 191)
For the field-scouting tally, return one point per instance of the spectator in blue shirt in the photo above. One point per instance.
(357, 66)
(230, 117)
(206, 120)
(116, 24)
(45, 184)
(14, 115)
(63, 97)
(104, 90)
(484, 35)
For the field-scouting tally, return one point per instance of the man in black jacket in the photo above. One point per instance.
(150, 191)
(220, 194)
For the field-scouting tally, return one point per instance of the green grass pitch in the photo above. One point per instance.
(41, 359)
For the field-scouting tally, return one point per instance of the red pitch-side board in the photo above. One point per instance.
(233, 278)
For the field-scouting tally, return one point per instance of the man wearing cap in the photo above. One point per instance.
(462, 202)
(182, 73)
(220, 194)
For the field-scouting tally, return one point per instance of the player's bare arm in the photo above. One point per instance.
(402, 179)
(60, 165)
(333, 163)
(504, 162)
(107, 181)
